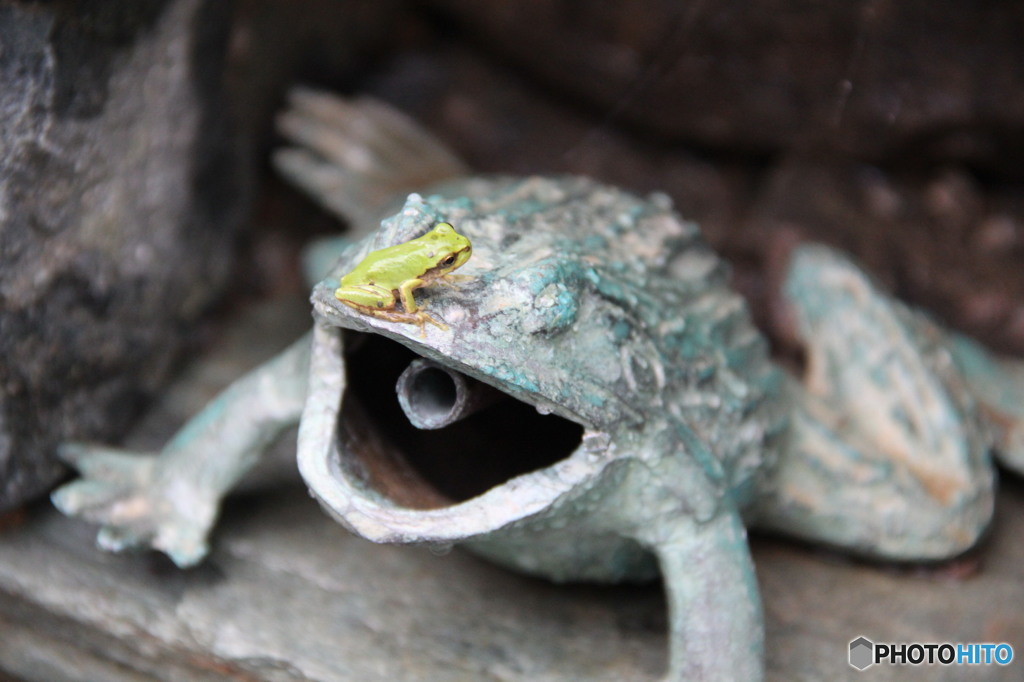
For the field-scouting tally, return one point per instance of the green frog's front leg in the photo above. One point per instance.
(169, 500)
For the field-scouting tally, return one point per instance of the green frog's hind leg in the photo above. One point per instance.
(354, 156)
(169, 500)
(888, 455)
(998, 385)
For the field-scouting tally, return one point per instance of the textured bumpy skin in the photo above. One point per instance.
(609, 312)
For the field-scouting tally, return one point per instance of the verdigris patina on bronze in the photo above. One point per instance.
(592, 404)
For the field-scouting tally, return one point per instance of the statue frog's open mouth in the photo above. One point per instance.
(375, 445)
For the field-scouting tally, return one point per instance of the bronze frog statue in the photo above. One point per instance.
(587, 400)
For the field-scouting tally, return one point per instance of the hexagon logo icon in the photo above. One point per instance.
(862, 653)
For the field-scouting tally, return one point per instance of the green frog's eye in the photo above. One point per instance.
(448, 260)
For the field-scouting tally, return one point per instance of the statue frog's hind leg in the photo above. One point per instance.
(888, 453)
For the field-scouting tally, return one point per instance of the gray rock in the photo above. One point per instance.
(118, 200)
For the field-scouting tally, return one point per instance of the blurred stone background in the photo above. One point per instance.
(138, 211)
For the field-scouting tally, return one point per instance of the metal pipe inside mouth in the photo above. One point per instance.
(434, 396)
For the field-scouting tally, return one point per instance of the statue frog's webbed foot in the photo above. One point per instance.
(169, 500)
(137, 505)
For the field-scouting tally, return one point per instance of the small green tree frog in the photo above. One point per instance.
(385, 275)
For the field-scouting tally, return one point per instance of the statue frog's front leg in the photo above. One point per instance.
(668, 504)
(715, 617)
(169, 500)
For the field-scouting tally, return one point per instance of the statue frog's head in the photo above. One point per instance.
(559, 366)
